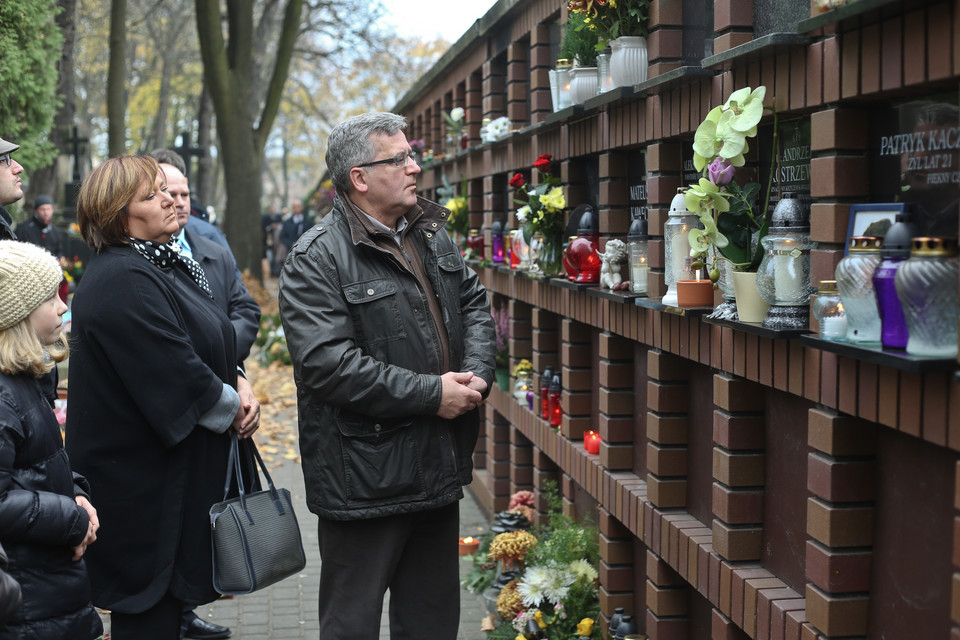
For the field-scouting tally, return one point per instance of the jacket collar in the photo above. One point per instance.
(425, 214)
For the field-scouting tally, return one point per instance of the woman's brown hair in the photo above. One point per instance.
(104, 196)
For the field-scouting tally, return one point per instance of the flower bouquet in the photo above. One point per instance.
(456, 136)
(611, 19)
(72, 269)
(542, 212)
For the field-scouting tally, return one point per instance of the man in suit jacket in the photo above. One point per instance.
(230, 294)
(39, 229)
(294, 226)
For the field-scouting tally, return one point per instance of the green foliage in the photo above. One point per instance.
(30, 44)
(579, 41)
(272, 343)
(483, 572)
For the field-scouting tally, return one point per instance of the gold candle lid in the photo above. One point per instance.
(933, 247)
(865, 243)
(828, 286)
(564, 63)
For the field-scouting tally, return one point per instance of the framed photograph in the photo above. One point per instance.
(871, 220)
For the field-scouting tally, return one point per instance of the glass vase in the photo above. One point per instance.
(550, 258)
(927, 285)
(854, 276)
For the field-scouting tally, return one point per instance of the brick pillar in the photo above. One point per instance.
(614, 196)
(576, 361)
(616, 549)
(494, 88)
(738, 471)
(667, 400)
(493, 190)
(838, 173)
(665, 42)
(573, 177)
(473, 105)
(475, 202)
(546, 348)
(616, 402)
(663, 179)
(521, 462)
(568, 494)
(667, 601)
(521, 331)
(732, 24)
(498, 458)
(840, 472)
(518, 84)
(541, 103)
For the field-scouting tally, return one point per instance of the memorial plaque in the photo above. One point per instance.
(792, 171)
(914, 152)
(637, 181)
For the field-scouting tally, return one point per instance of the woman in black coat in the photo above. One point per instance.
(153, 381)
(46, 519)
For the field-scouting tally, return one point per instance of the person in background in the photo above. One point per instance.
(10, 187)
(154, 388)
(393, 350)
(293, 227)
(39, 229)
(46, 518)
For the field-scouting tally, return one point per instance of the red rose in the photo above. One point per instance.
(517, 181)
(543, 163)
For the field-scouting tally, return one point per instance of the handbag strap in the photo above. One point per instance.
(233, 467)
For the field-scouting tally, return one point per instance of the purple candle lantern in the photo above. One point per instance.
(896, 249)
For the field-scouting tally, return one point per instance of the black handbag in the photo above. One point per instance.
(256, 537)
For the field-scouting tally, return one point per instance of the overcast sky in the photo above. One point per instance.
(447, 19)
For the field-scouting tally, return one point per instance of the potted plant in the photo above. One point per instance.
(734, 217)
(623, 25)
(580, 45)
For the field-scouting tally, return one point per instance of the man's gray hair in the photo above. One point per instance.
(171, 157)
(349, 143)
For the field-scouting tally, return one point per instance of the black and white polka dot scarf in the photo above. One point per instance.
(168, 255)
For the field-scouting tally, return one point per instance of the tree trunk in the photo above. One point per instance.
(46, 179)
(204, 184)
(116, 76)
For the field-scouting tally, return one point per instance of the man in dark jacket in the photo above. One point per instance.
(10, 189)
(393, 350)
(39, 229)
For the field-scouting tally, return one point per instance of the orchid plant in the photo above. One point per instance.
(454, 121)
(730, 214)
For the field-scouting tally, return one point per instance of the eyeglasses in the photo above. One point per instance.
(6, 159)
(399, 160)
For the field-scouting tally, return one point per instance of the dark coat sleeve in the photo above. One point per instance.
(229, 293)
(9, 591)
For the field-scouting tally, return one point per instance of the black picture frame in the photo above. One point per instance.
(863, 216)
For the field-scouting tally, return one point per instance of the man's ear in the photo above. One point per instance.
(358, 178)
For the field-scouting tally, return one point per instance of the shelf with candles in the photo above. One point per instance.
(657, 305)
(591, 442)
(757, 328)
(877, 354)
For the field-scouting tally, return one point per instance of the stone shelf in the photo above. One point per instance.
(886, 357)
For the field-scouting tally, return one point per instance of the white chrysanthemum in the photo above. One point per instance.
(558, 585)
(583, 570)
(533, 585)
(456, 114)
(522, 213)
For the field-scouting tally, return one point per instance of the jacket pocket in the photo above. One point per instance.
(375, 309)
(381, 460)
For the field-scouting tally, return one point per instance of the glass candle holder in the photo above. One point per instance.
(497, 252)
(545, 378)
(927, 284)
(604, 79)
(556, 397)
(828, 310)
(521, 385)
(638, 247)
(563, 83)
(676, 240)
(854, 276)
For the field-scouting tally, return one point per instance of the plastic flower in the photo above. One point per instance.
(704, 198)
(522, 497)
(585, 627)
(716, 137)
(720, 171)
(747, 109)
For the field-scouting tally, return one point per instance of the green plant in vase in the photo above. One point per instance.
(579, 41)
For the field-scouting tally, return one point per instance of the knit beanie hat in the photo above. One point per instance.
(29, 275)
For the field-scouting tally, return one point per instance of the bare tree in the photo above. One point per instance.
(116, 76)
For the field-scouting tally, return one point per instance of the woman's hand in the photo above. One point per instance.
(92, 526)
(249, 414)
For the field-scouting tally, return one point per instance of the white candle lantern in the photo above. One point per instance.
(783, 278)
(676, 231)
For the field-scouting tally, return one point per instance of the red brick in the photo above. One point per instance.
(838, 571)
